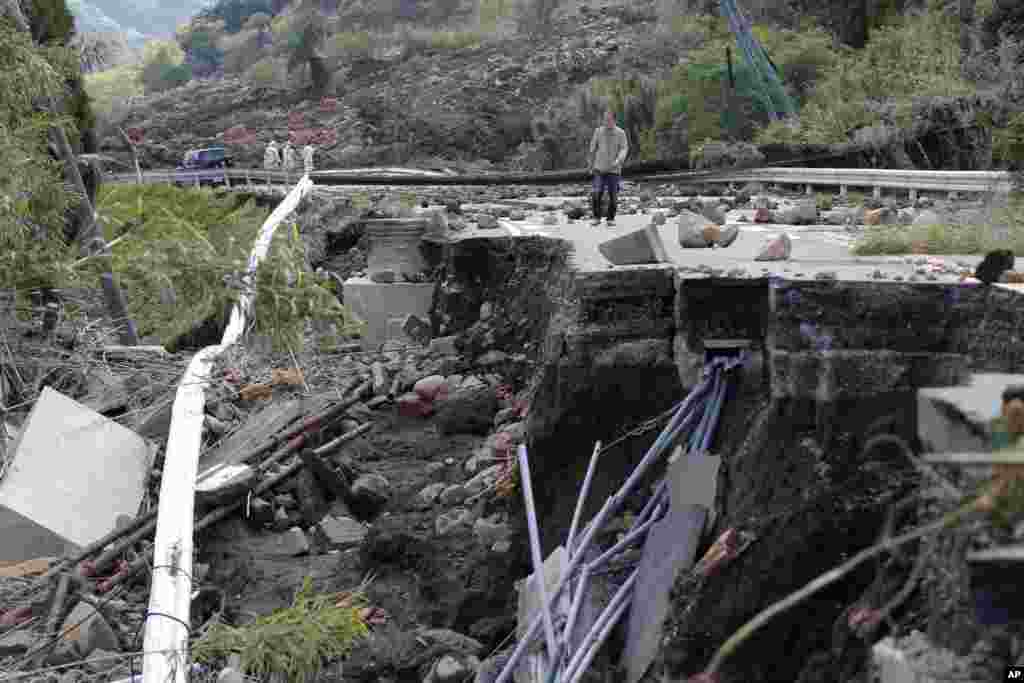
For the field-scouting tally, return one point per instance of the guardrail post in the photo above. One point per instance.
(809, 189)
(876, 192)
(227, 178)
(843, 191)
(913, 195)
(248, 180)
(952, 196)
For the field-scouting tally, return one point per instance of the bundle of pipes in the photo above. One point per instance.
(697, 414)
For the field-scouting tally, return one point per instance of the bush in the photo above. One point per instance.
(163, 66)
(111, 89)
(350, 44)
(915, 59)
(183, 245)
(455, 40)
(269, 72)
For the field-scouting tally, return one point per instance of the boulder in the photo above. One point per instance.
(468, 412)
(928, 217)
(370, 493)
(691, 230)
(711, 234)
(339, 533)
(431, 388)
(805, 212)
(486, 222)
(635, 248)
(882, 216)
(728, 235)
(414, 405)
(776, 249)
(455, 520)
(763, 215)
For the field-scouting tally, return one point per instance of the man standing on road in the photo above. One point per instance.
(608, 149)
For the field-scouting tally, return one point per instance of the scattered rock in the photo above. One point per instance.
(452, 521)
(728, 236)
(468, 411)
(431, 388)
(489, 532)
(453, 495)
(777, 249)
(763, 215)
(492, 358)
(391, 545)
(658, 218)
(414, 405)
(339, 533)
(370, 493)
(550, 219)
(483, 480)
(691, 230)
(418, 330)
(261, 511)
(804, 213)
(451, 669)
(487, 222)
(711, 234)
(429, 495)
(882, 216)
(927, 217)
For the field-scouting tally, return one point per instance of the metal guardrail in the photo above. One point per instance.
(876, 179)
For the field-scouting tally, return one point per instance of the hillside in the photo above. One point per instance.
(138, 20)
(438, 88)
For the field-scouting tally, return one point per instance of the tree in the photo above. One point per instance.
(235, 13)
(99, 51)
(163, 66)
(304, 47)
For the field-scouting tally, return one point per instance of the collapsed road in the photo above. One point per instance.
(516, 326)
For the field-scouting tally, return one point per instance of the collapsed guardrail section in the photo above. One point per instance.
(165, 645)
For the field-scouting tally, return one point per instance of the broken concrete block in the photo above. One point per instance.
(377, 303)
(728, 236)
(339, 533)
(635, 248)
(87, 630)
(452, 521)
(763, 215)
(73, 473)
(958, 419)
(670, 548)
(18, 570)
(804, 213)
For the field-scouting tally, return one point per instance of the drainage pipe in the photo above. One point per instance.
(165, 647)
(621, 598)
(610, 506)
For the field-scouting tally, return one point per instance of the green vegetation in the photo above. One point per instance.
(32, 196)
(916, 57)
(293, 642)
(111, 88)
(163, 66)
(179, 251)
(948, 238)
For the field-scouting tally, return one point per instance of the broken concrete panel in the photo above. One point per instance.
(914, 660)
(376, 304)
(254, 433)
(693, 480)
(671, 548)
(530, 603)
(957, 418)
(635, 248)
(73, 474)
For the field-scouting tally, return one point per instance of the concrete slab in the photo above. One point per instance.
(636, 248)
(957, 419)
(530, 605)
(73, 474)
(693, 480)
(671, 548)
(376, 304)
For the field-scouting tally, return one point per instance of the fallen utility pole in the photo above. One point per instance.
(165, 645)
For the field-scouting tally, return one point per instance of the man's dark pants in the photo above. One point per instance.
(605, 182)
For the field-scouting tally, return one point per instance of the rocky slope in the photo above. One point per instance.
(447, 105)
